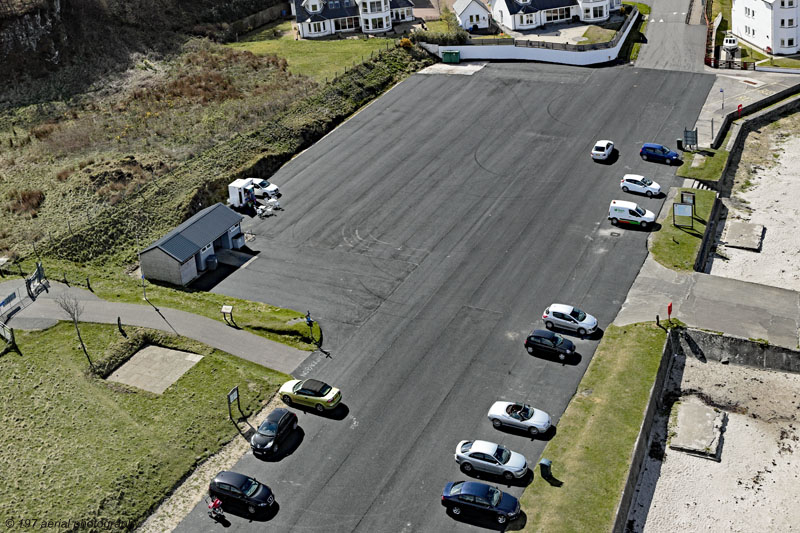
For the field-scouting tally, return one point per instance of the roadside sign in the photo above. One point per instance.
(680, 212)
(690, 137)
(687, 197)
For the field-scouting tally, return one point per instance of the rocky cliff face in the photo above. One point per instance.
(34, 40)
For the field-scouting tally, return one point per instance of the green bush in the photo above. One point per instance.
(454, 35)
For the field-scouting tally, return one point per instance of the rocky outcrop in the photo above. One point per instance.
(32, 40)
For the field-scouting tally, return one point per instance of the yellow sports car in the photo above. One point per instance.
(311, 392)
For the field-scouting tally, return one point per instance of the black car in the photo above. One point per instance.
(546, 342)
(240, 491)
(273, 431)
(471, 497)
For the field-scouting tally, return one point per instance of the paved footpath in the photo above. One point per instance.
(45, 312)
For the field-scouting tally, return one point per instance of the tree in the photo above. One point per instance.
(73, 309)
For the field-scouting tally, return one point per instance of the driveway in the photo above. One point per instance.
(427, 234)
(672, 44)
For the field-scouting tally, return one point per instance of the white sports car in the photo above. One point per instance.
(518, 415)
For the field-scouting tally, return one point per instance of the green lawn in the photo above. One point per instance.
(318, 59)
(630, 50)
(724, 7)
(675, 247)
(437, 26)
(710, 169)
(596, 34)
(785, 62)
(594, 441)
(78, 446)
(261, 319)
(750, 54)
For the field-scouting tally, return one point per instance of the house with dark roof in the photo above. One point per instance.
(318, 18)
(528, 14)
(183, 254)
(472, 14)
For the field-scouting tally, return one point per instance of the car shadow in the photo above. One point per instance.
(524, 481)
(266, 516)
(596, 335)
(339, 412)
(518, 524)
(571, 360)
(287, 447)
(519, 432)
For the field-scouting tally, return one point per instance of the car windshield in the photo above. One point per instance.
(268, 429)
(467, 446)
(558, 339)
(494, 496)
(639, 211)
(599, 148)
(526, 412)
(647, 181)
(263, 184)
(577, 314)
(502, 455)
(250, 487)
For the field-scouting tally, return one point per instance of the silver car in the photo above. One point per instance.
(568, 317)
(640, 184)
(520, 416)
(490, 457)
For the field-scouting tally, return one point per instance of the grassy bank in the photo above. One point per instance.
(710, 169)
(79, 446)
(317, 59)
(592, 449)
(630, 50)
(675, 247)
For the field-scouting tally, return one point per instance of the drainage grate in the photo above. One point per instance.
(751, 82)
(615, 234)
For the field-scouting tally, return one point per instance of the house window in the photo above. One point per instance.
(348, 23)
(333, 4)
(347, 3)
(377, 24)
(783, 43)
(791, 3)
(529, 18)
(561, 13)
(374, 7)
(791, 42)
(385, 5)
(313, 7)
(587, 13)
(364, 8)
(317, 27)
(791, 22)
(599, 12)
(520, 19)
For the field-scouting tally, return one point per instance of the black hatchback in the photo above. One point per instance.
(273, 431)
(546, 342)
(240, 491)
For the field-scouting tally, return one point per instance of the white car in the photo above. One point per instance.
(568, 317)
(490, 457)
(640, 184)
(602, 150)
(265, 189)
(520, 416)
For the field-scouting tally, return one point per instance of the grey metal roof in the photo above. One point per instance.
(340, 11)
(199, 230)
(461, 5)
(536, 5)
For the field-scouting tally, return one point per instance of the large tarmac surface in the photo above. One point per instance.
(427, 234)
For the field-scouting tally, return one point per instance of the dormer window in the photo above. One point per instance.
(523, 2)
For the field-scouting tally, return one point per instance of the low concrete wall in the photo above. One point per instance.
(739, 351)
(778, 69)
(708, 237)
(641, 447)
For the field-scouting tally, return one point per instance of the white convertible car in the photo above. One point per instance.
(520, 416)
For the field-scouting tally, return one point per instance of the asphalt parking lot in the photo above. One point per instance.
(427, 235)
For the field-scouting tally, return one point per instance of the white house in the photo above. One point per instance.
(317, 18)
(770, 25)
(529, 14)
(472, 14)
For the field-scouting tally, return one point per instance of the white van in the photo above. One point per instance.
(622, 212)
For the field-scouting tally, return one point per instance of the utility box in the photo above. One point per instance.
(451, 56)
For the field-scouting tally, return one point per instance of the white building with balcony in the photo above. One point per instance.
(318, 18)
(528, 14)
(769, 25)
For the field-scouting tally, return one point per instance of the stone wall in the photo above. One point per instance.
(705, 345)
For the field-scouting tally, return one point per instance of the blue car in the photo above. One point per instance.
(471, 497)
(657, 152)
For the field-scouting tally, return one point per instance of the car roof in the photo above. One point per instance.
(543, 333)
(632, 177)
(231, 478)
(276, 415)
(475, 489)
(624, 204)
(561, 308)
(604, 141)
(314, 385)
(653, 145)
(483, 446)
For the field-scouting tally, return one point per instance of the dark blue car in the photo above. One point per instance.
(657, 152)
(471, 497)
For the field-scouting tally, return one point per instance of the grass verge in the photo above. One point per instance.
(677, 247)
(596, 34)
(630, 50)
(785, 62)
(319, 59)
(709, 170)
(78, 446)
(592, 449)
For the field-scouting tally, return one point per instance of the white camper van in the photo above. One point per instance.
(622, 212)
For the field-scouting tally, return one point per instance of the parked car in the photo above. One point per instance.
(640, 184)
(622, 212)
(602, 150)
(273, 431)
(518, 415)
(471, 497)
(311, 392)
(265, 189)
(659, 153)
(548, 343)
(568, 317)
(240, 491)
(490, 457)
